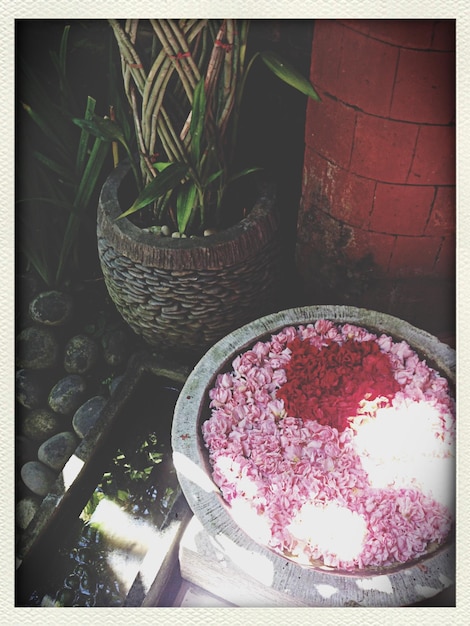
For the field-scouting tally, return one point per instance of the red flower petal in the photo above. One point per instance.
(328, 384)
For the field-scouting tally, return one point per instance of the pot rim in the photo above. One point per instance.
(193, 468)
(232, 245)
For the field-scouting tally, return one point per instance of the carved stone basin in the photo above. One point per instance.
(268, 578)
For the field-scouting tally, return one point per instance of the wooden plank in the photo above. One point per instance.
(192, 596)
(155, 583)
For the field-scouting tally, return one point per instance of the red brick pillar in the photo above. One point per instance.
(376, 226)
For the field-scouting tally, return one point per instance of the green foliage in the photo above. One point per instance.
(184, 80)
(168, 178)
(61, 169)
(288, 74)
(131, 471)
(91, 505)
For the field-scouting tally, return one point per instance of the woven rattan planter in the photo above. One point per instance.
(186, 294)
(268, 578)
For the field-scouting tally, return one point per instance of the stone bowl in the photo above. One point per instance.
(294, 584)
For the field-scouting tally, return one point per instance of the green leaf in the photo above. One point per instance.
(245, 172)
(155, 457)
(161, 165)
(84, 192)
(198, 116)
(60, 63)
(89, 179)
(109, 131)
(55, 167)
(168, 492)
(63, 50)
(214, 176)
(166, 181)
(185, 205)
(289, 74)
(44, 126)
(122, 495)
(84, 137)
(55, 202)
(101, 127)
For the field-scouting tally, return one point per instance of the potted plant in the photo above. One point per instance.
(184, 80)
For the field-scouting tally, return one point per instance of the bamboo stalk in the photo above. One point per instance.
(168, 41)
(181, 39)
(230, 77)
(172, 138)
(183, 43)
(153, 98)
(153, 113)
(129, 55)
(148, 171)
(161, 94)
(215, 60)
(212, 75)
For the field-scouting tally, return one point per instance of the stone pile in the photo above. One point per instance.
(64, 377)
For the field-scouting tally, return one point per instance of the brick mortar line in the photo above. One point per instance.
(396, 45)
(380, 232)
(376, 180)
(357, 109)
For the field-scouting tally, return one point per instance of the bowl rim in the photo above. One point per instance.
(232, 245)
